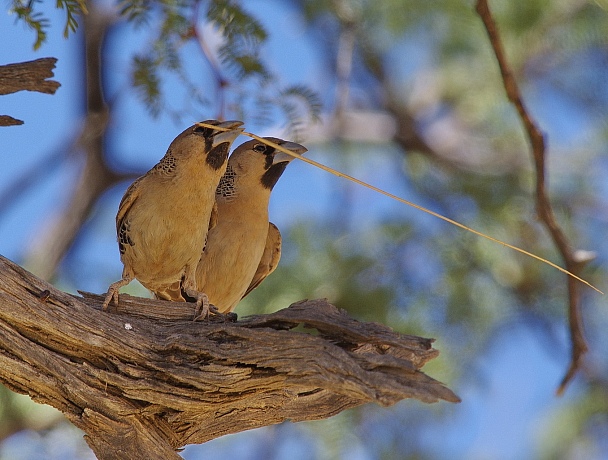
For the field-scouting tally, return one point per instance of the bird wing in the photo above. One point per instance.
(122, 226)
(214, 216)
(270, 258)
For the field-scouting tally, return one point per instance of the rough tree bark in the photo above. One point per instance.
(26, 76)
(144, 380)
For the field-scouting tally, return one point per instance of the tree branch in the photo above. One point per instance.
(26, 76)
(7, 120)
(221, 82)
(543, 205)
(146, 380)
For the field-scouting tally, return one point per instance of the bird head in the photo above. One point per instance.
(215, 143)
(263, 163)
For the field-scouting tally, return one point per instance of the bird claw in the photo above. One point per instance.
(112, 295)
(231, 317)
(203, 313)
(203, 307)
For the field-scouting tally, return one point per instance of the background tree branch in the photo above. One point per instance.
(96, 176)
(147, 380)
(543, 204)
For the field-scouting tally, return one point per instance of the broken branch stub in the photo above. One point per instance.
(26, 76)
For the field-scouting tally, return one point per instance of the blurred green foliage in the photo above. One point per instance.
(29, 13)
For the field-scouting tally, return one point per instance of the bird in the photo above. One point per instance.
(243, 247)
(158, 224)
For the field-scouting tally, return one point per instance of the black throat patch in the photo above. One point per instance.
(269, 153)
(218, 156)
(270, 177)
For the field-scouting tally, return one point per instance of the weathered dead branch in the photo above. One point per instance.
(144, 380)
(26, 76)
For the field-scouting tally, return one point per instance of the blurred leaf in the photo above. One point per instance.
(147, 83)
(36, 20)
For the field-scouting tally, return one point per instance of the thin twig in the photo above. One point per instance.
(543, 205)
(343, 191)
(220, 81)
(404, 201)
(344, 67)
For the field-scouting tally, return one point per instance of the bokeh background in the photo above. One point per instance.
(404, 94)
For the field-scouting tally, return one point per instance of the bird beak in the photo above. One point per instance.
(281, 157)
(228, 136)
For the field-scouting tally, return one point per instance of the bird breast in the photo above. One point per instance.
(169, 225)
(233, 252)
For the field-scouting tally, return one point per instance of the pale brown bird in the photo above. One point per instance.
(243, 247)
(159, 229)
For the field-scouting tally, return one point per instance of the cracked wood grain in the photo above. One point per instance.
(144, 380)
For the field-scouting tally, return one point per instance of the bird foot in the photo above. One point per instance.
(113, 293)
(201, 314)
(203, 307)
(231, 317)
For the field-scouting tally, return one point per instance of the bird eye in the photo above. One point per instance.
(199, 129)
(260, 148)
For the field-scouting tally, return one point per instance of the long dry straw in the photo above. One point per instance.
(409, 203)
